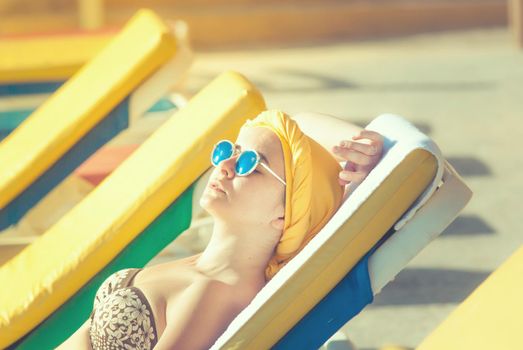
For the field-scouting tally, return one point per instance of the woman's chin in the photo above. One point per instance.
(211, 202)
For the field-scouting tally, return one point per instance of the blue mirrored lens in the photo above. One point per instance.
(246, 163)
(222, 151)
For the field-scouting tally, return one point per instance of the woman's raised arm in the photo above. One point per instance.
(339, 137)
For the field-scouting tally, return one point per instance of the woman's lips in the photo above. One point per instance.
(215, 186)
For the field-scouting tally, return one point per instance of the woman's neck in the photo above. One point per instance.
(237, 256)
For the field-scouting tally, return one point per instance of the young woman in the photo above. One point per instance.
(271, 191)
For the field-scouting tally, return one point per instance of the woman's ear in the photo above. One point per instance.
(278, 223)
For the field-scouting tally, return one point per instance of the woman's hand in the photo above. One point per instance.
(361, 157)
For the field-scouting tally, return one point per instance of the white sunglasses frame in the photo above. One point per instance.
(258, 161)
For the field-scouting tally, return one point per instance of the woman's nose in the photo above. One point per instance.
(226, 167)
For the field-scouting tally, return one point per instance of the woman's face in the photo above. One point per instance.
(258, 198)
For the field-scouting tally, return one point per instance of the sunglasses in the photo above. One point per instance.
(246, 162)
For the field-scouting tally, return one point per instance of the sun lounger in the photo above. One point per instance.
(127, 77)
(404, 203)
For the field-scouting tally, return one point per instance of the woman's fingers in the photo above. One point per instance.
(368, 149)
(349, 166)
(353, 156)
(360, 157)
(369, 134)
(375, 138)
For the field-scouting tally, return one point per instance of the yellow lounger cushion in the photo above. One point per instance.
(490, 318)
(144, 45)
(86, 239)
(48, 58)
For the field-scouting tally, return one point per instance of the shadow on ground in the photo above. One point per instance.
(468, 225)
(417, 286)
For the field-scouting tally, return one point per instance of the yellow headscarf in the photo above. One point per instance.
(312, 194)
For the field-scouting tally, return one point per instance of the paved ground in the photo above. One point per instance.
(462, 88)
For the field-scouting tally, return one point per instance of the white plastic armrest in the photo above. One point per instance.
(432, 218)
